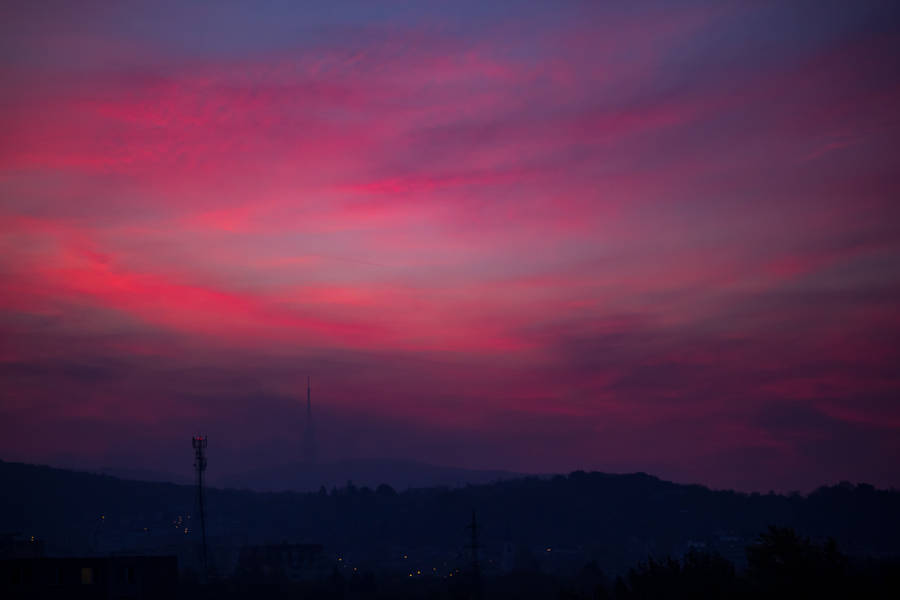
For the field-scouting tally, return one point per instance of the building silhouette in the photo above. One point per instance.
(280, 563)
(110, 577)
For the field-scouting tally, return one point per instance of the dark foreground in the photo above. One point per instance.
(66, 534)
(780, 564)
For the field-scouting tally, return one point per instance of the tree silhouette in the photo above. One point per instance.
(784, 564)
(698, 575)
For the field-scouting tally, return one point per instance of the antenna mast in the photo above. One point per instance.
(309, 434)
(199, 444)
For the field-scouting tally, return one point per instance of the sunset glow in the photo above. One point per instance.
(544, 238)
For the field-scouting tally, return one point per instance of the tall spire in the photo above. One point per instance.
(309, 435)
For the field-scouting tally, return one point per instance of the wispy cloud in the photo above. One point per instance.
(514, 236)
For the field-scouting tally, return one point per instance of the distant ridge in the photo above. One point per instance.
(143, 475)
(400, 474)
(302, 476)
(616, 519)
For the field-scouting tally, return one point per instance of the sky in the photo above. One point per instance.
(642, 236)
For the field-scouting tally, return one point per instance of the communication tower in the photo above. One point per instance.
(199, 444)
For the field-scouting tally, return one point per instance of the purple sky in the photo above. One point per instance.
(545, 237)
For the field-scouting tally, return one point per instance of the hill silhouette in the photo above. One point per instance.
(400, 474)
(614, 520)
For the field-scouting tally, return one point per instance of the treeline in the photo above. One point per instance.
(614, 520)
(780, 564)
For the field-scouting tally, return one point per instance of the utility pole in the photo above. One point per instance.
(199, 444)
(476, 566)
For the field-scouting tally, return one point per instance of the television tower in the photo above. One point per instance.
(309, 433)
(199, 444)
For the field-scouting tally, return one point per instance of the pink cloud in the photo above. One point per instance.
(627, 222)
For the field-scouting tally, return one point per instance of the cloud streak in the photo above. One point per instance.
(556, 238)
